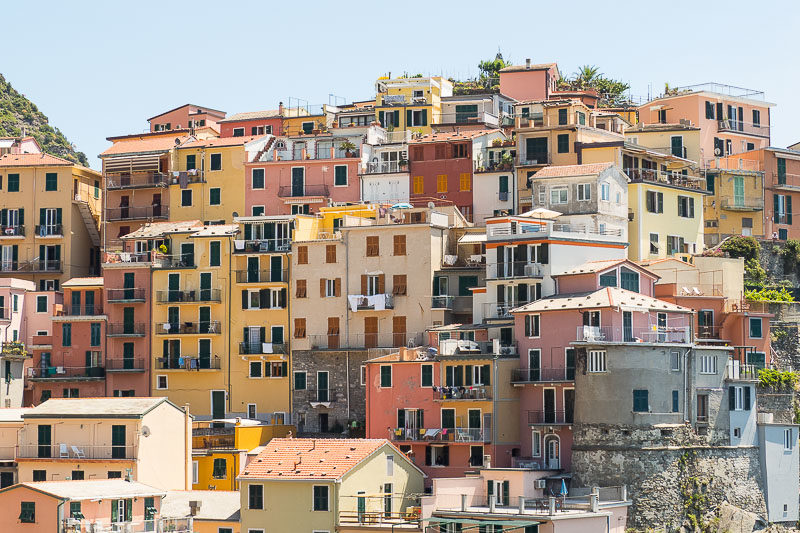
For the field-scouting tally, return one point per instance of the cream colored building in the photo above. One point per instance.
(105, 438)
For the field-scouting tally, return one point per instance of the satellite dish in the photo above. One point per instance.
(431, 205)
(235, 214)
(717, 151)
(145, 431)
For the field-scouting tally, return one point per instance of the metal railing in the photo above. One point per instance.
(287, 191)
(49, 230)
(188, 362)
(732, 162)
(262, 245)
(258, 348)
(71, 450)
(785, 180)
(547, 416)
(122, 329)
(672, 334)
(361, 341)
(535, 375)
(384, 167)
(676, 179)
(12, 231)
(174, 261)
(188, 176)
(514, 269)
(742, 204)
(129, 257)
(137, 212)
(736, 370)
(13, 348)
(189, 328)
(375, 302)
(454, 434)
(122, 364)
(747, 128)
(136, 181)
(312, 395)
(82, 310)
(442, 302)
(468, 347)
(262, 276)
(500, 310)
(533, 159)
(49, 265)
(468, 392)
(189, 296)
(172, 525)
(708, 332)
(478, 117)
(66, 372)
(125, 295)
(381, 519)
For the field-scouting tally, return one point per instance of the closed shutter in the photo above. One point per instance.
(263, 299)
(401, 418)
(506, 488)
(788, 209)
(409, 115)
(337, 287)
(424, 117)
(731, 398)
(322, 283)
(245, 299)
(487, 374)
(746, 398)
(381, 283)
(363, 284)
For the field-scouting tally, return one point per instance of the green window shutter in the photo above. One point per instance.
(562, 117)
(214, 249)
(128, 510)
(563, 143)
(299, 381)
(424, 117)
(396, 119)
(381, 119)
(788, 209)
(487, 374)
(340, 175)
(66, 334)
(248, 232)
(191, 163)
(409, 117)
(51, 181)
(13, 183)
(490, 488)
(427, 375)
(42, 215)
(506, 490)
(504, 184)
(214, 196)
(114, 513)
(781, 162)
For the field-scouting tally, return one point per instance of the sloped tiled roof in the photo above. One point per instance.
(252, 115)
(318, 459)
(219, 142)
(605, 297)
(145, 144)
(518, 68)
(157, 229)
(600, 265)
(567, 171)
(91, 489)
(33, 160)
(93, 407)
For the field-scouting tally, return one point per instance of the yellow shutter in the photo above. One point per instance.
(441, 183)
(419, 185)
(466, 181)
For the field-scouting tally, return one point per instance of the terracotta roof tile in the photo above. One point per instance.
(566, 171)
(219, 142)
(453, 135)
(519, 68)
(605, 297)
(252, 115)
(310, 458)
(33, 160)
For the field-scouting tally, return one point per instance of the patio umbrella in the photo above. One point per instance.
(402, 205)
(563, 488)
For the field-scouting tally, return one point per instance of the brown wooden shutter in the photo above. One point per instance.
(299, 328)
(302, 255)
(330, 253)
(381, 283)
(364, 284)
(337, 289)
(399, 284)
(322, 287)
(399, 245)
(301, 288)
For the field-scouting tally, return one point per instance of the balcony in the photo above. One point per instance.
(500, 310)
(742, 204)
(66, 373)
(465, 393)
(542, 375)
(745, 128)
(125, 295)
(468, 347)
(12, 231)
(31, 267)
(550, 417)
(13, 349)
(76, 452)
(442, 302)
(147, 180)
(128, 257)
(189, 328)
(362, 341)
(673, 179)
(137, 213)
(314, 396)
(298, 192)
(262, 246)
(262, 276)
(164, 261)
(480, 117)
(191, 296)
(441, 434)
(374, 302)
(186, 362)
(122, 329)
(173, 525)
(384, 167)
(786, 181)
(187, 176)
(125, 364)
(49, 230)
(532, 160)
(261, 348)
(515, 269)
(81, 310)
(619, 335)
(708, 333)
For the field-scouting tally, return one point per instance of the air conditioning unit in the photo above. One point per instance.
(532, 270)
(487, 461)
(541, 483)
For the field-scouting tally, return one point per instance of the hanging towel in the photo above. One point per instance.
(354, 299)
(266, 347)
(184, 180)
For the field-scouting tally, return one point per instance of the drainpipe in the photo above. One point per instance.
(230, 281)
(287, 334)
(345, 240)
(187, 446)
(60, 515)
(686, 386)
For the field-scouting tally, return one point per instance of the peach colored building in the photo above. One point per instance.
(85, 505)
(10, 425)
(187, 116)
(529, 81)
(251, 123)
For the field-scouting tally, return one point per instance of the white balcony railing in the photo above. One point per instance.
(613, 334)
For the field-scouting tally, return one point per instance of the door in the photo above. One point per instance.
(252, 270)
(174, 319)
(128, 285)
(205, 320)
(552, 452)
(127, 356)
(205, 286)
(157, 205)
(89, 303)
(204, 353)
(276, 268)
(705, 323)
(534, 365)
(44, 441)
(474, 423)
(323, 394)
(124, 211)
(662, 327)
(371, 332)
(76, 303)
(627, 326)
(174, 353)
(128, 326)
(549, 402)
(570, 364)
(217, 404)
(569, 405)
(323, 422)
(362, 507)
(298, 182)
(118, 442)
(173, 287)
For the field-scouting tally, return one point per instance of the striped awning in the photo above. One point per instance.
(135, 163)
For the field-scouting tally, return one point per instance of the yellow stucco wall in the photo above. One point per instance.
(726, 213)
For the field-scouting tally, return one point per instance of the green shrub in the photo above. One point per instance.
(739, 246)
(769, 378)
(780, 294)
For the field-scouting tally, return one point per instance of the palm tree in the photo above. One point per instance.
(587, 76)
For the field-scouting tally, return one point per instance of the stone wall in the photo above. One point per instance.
(663, 478)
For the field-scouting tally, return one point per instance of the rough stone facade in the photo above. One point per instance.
(663, 468)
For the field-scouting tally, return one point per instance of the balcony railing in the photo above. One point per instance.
(262, 276)
(66, 372)
(533, 159)
(187, 362)
(537, 375)
(49, 230)
(124, 364)
(12, 231)
(363, 341)
(328, 395)
(676, 179)
(384, 167)
(456, 434)
(479, 117)
(469, 392)
(262, 245)
(137, 212)
(468, 347)
(173, 525)
(708, 332)
(76, 451)
(550, 417)
(785, 180)
(122, 329)
(442, 302)
(375, 302)
(125, 295)
(308, 190)
(136, 181)
(742, 204)
(194, 175)
(190, 296)
(747, 128)
(611, 334)
(514, 269)
(500, 310)
(50, 265)
(129, 257)
(189, 328)
(13, 349)
(174, 261)
(82, 310)
(261, 348)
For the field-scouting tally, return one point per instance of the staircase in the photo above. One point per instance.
(89, 220)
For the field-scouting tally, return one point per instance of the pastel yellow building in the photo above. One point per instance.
(411, 103)
(49, 219)
(220, 450)
(680, 140)
(734, 205)
(296, 485)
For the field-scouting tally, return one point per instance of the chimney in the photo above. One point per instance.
(528, 64)
(280, 109)
(194, 507)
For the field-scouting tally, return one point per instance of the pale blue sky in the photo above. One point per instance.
(102, 68)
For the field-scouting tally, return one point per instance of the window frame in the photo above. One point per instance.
(596, 361)
(422, 381)
(250, 496)
(382, 375)
(315, 498)
(211, 162)
(262, 178)
(755, 320)
(558, 189)
(336, 177)
(215, 191)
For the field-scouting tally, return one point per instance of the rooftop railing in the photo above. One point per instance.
(77, 451)
(611, 334)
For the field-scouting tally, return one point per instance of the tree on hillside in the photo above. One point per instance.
(612, 92)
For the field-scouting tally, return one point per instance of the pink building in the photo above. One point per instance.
(588, 302)
(251, 123)
(187, 116)
(529, 81)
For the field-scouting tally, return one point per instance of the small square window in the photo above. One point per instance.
(161, 382)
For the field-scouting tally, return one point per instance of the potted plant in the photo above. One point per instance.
(348, 148)
(506, 161)
(403, 164)
(497, 142)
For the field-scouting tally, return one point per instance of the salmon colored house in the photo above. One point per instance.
(251, 123)
(529, 81)
(187, 116)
